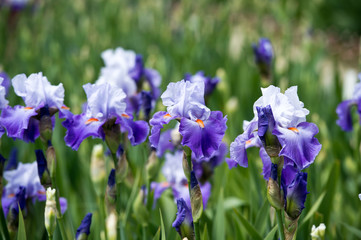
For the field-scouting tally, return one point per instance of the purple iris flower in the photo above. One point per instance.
(263, 53)
(344, 108)
(280, 119)
(125, 69)
(296, 193)
(84, 228)
(184, 221)
(209, 82)
(201, 129)
(105, 109)
(41, 98)
(26, 176)
(15, 5)
(5, 82)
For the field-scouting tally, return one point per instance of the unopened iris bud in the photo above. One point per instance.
(186, 167)
(263, 53)
(184, 222)
(196, 198)
(83, 231)
(111, 192)
(43, 170)
(111, 225)
(319, 232)
(296, 196)
(97, 168)
(50, 211)
(152, 165)
(274, 193)
(51, 160)
(140, 211)
(122, 164)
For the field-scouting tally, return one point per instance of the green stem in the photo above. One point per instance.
(196, 231)
(102, 214)
(4, 228)
(59, 215)
(280, 225)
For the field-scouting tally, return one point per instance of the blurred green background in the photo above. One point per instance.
(316, 46)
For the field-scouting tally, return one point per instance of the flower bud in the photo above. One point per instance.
(111, 192)
(274, 195)
(186, 167)
(51, 160)
(83, 231)
(122, 165)
(97, 168)
(196, 198)
(111, 225)
(290, 227)
(43, 170)
(50, 211)
(296, 195)
(263, 53)
(319, 232)
(183, 222)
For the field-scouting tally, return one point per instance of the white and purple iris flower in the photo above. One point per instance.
(125, 69)
(344, 108)
(24, 180)
(41, 98)
(106, 108)
(175, 179)
(284, 118)
(209, 82)
(202, 130)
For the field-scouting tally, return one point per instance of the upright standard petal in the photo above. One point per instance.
(19, 123)
(79, 127)
(203, 137)
(37, 91)
(299, 143)
(186, 99)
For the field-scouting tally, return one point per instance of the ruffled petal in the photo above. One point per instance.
(343, 111)
(299, 144)
(79, 128)
(203, 140)
(19, 123)
(137, 130)
(159, 119)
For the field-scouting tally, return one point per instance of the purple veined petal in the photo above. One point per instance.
(137, 130)
(296, 195)
(246, 140)
(203, 138)
(184, 221)
(267, 163)
(231, 163)
(63, 205)
(19, 123)
(289, 174)
(343, 111)
(159, 119)
(299, 144)
(165, 143)
(79, 127)
(64, 112)
(37, 91)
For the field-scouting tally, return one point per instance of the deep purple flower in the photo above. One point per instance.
(105, 111)
(202, 130)
(263, 53)
(278, 128)
(41, 99)
(344, 108)
(209, 82)
(84, 228)
(184, 221)
(296, 195)
(12, 161)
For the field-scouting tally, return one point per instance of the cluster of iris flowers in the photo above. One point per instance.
(118, 111)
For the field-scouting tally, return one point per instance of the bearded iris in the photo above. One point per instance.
(42, 101)
(201, 129)
(104, 117)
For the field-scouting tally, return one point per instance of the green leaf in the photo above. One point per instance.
(353, 230)
(271, 234)
(219, 220)
(314, 208)
(162, 225)
(157, 235)
(233, 202)
(205, 233)
(249, 227)
(262, 217)
(21, 227)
